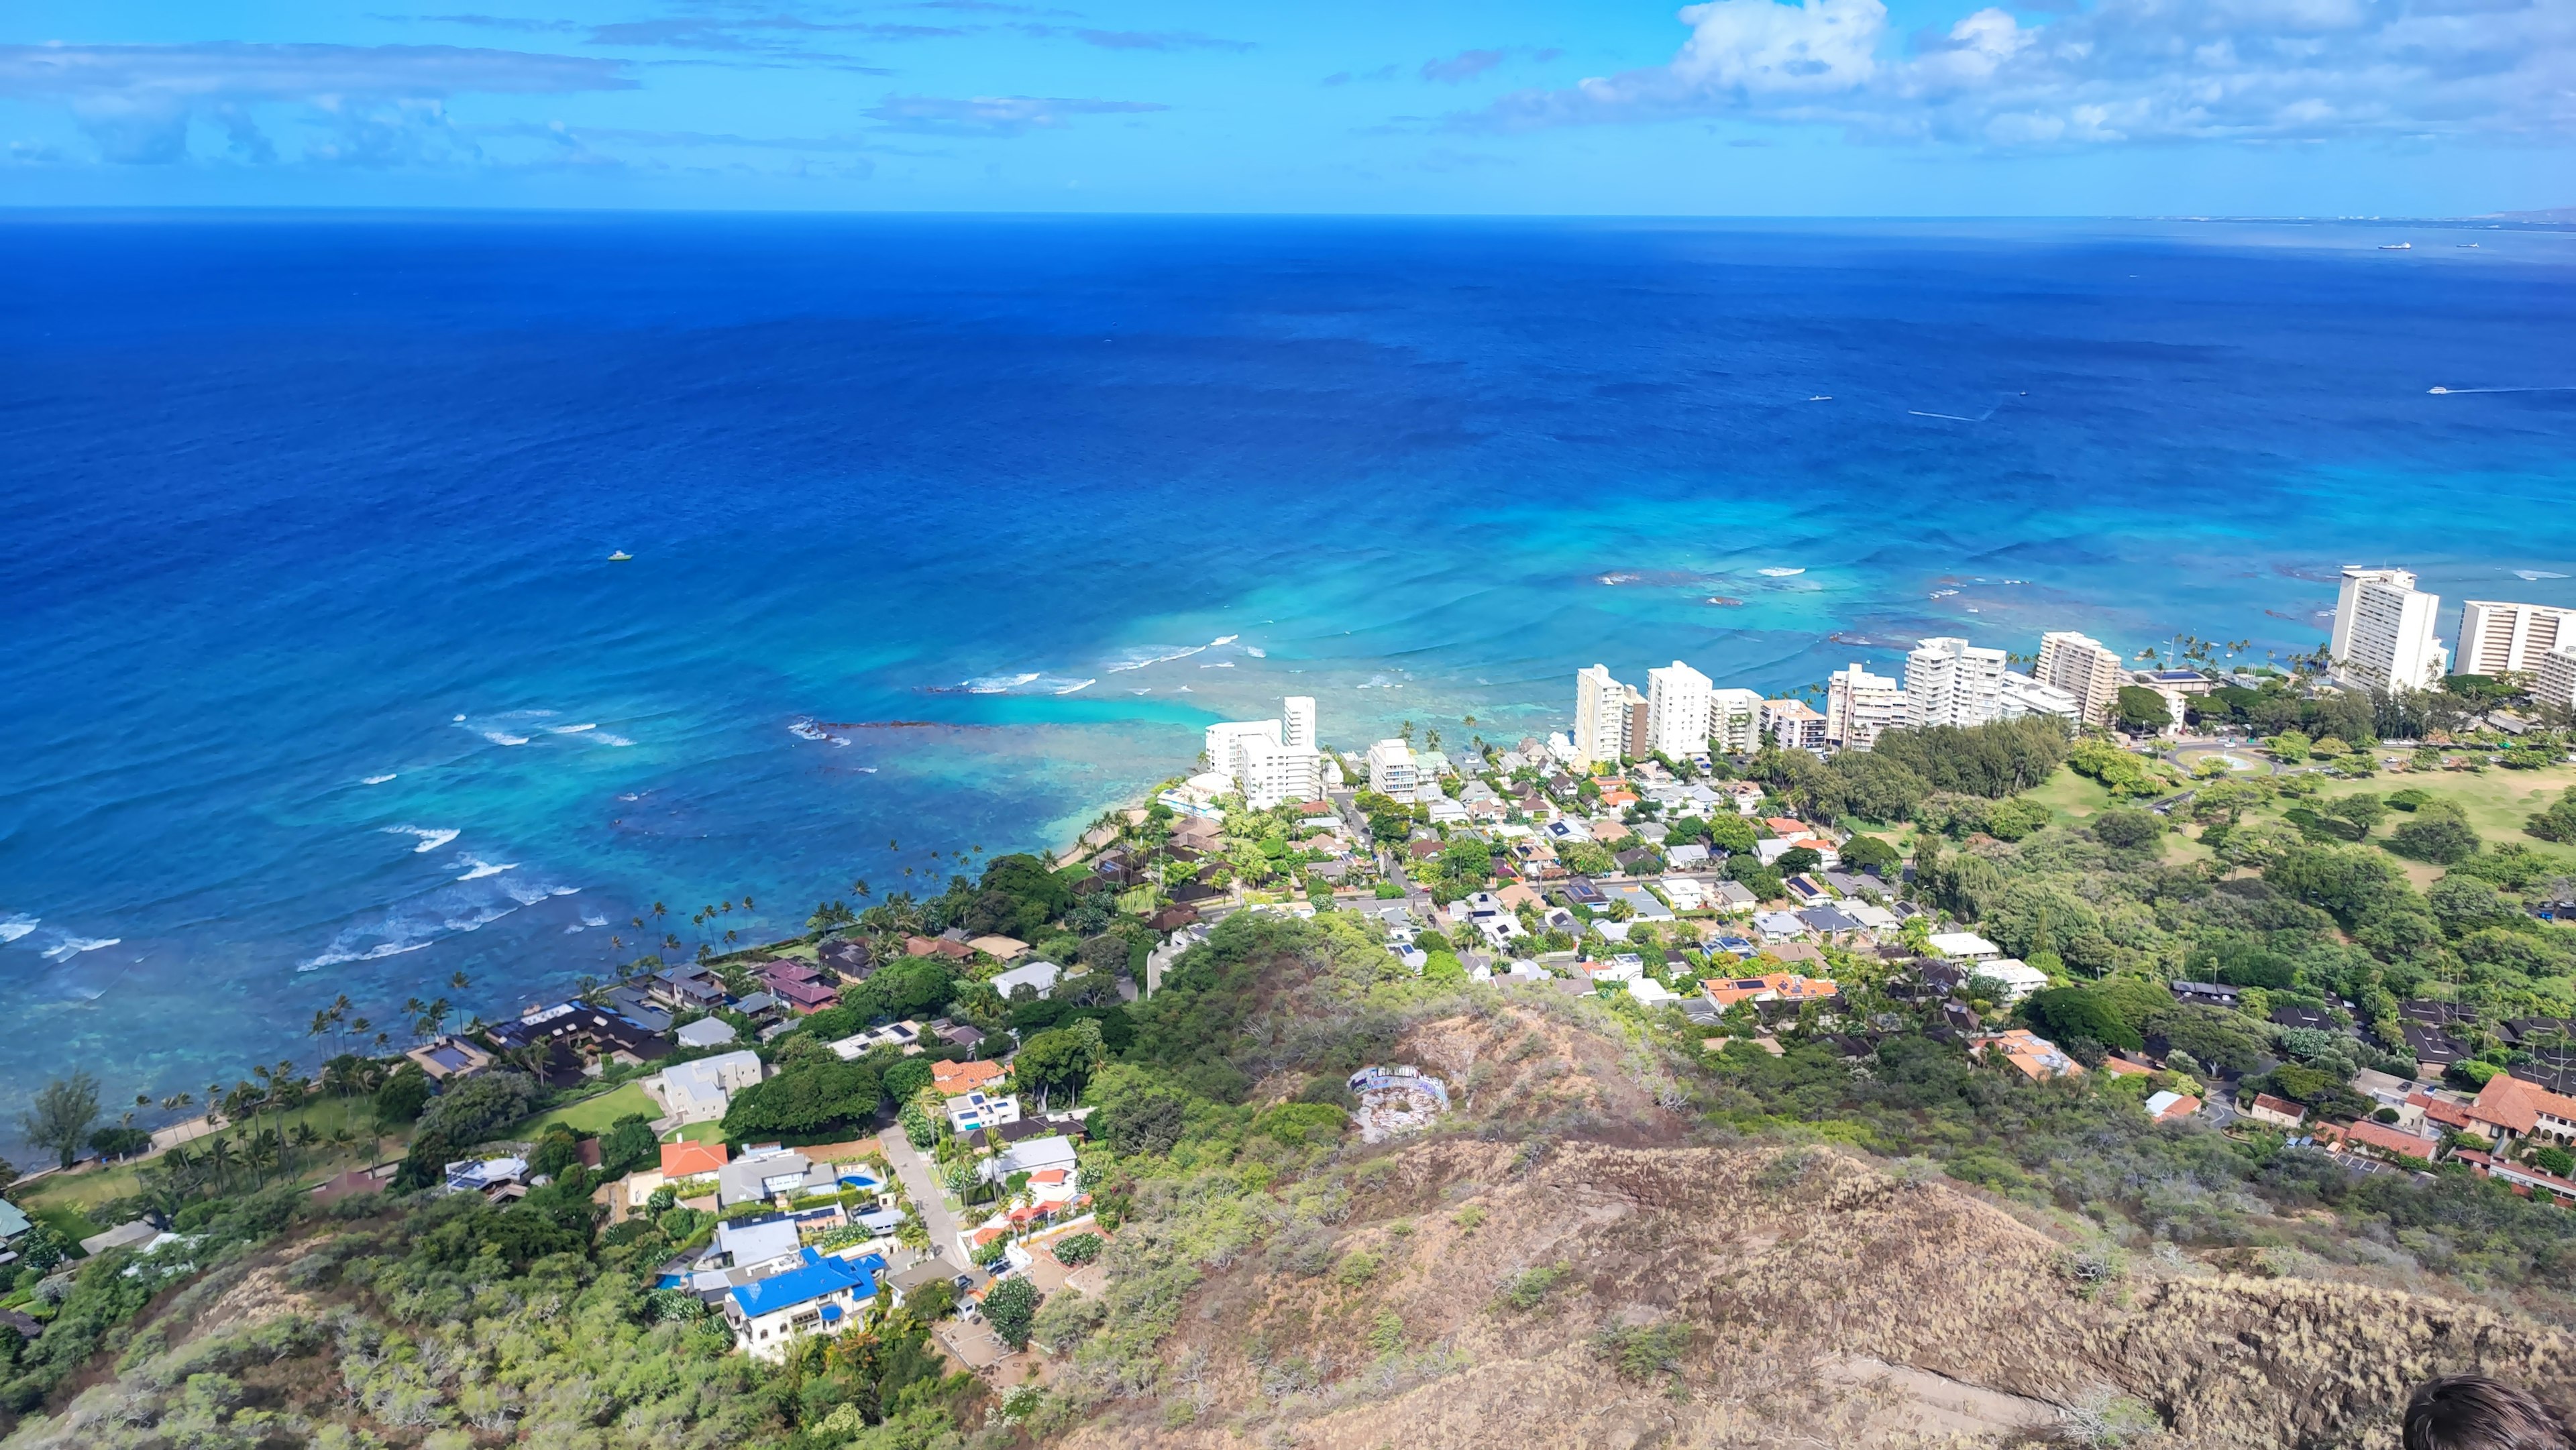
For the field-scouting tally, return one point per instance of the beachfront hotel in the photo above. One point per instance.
(2084, 668)
(1676, 711)
(1859, 705)
(2499, 638)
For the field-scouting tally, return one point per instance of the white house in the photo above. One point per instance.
(982, 1110)
(699, 1091)
(1965, 946)
(821, 1296)
(705, 1032)
(1039, 977)
(2019, 979)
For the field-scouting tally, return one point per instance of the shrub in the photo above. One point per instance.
(1356, 1268)
(1643, 1351)
(1529, 1288)
(2554, 1160)
(1077, 1248)
(2443, 840)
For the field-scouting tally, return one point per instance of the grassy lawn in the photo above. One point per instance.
(594, 1116)
(67, 1222)
(2496, 802)
(696, 1133)
(2070, 795)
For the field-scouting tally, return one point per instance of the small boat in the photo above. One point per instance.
(2397, 246)
(620, 557)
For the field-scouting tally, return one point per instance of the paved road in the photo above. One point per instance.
(922, 1182)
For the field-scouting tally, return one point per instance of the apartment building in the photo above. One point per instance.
(2498, 638)
(1676, 711)
(2080, 666)
(1273, 774)
(1859, 705)
(1793, 725)
(1392, 771)
(1952, 682)
(1600, 717)
(1297, 722)
(1735, 720)
(2383, 632)
(2023, 695)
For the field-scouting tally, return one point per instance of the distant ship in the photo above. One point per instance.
(2397, 246)
(620, 557)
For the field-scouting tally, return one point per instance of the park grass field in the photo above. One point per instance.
(2497, 802)
(2069, 796)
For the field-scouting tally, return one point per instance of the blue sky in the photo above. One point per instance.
(1736, 107)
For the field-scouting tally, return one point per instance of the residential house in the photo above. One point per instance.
(2508, 1108)
(2034, 1056)
(688, 991)
(1033, 1156)
(1690, 857)
(765, 1172)
(1788, 987)
(956, 1078)
(2279, 1112)
(494, 1178)
(2208, 994)
(1001, 948)
(2017, 978)
(847, 958)
(705, 1032)
(1642, 902)
(686, 1159)
(699, 1091)
(756, 1244)
(798, 985)
(2381, 1140)
(2172, 1107)
(2529, 1180)
(1965, 946)
(1778, 925)
(1732, 896)
(904, 1035)
(937, 946)
(977, 1110)
(1652, 993)
(821, 1296)
(1827, 920)
(1039, 977)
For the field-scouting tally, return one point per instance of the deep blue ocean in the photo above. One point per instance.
(318, 678)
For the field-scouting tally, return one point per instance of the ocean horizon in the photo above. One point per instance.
(947, 533)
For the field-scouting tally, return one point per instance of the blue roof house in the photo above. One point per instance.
(821, 1295)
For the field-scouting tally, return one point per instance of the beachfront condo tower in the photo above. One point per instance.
(1952, 682)
(2383, 632)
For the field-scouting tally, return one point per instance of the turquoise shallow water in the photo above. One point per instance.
(310, 516)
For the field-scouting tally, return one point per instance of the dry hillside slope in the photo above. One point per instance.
(1794, 1297)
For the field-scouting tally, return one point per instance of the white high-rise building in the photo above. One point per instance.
(1952, 682)
(1392, 771)
(2498, 638)
(1858, 705)
(2080, 666)
(1600, 717)
(1273, 774)
(1676, 711)
(1735, 720)
(2555, 682)
(1298, 722)
(2023, 695)
(2383, 631)
(1225, 743)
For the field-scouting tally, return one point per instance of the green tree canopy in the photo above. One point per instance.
(59, 1120)
(807, 1100)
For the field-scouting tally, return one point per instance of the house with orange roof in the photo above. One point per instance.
(2524, 1179)
(956, 1079)
(2034, 1056)
(2122, 1067)
(2508, 1108)
(1769, 987)
(2172, 1107)
(2379, 1140)
(693, 1160)
(2424, 1107)
(1787, 827)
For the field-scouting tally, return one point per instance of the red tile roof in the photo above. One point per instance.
(2390, 1140)
(2514, 1105)
(688, 1160)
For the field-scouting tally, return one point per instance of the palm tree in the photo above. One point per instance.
(459, 982)
(219, 1157)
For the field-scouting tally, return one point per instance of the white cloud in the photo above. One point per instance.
(380, 105)
(2123, 70)
(994, 115)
